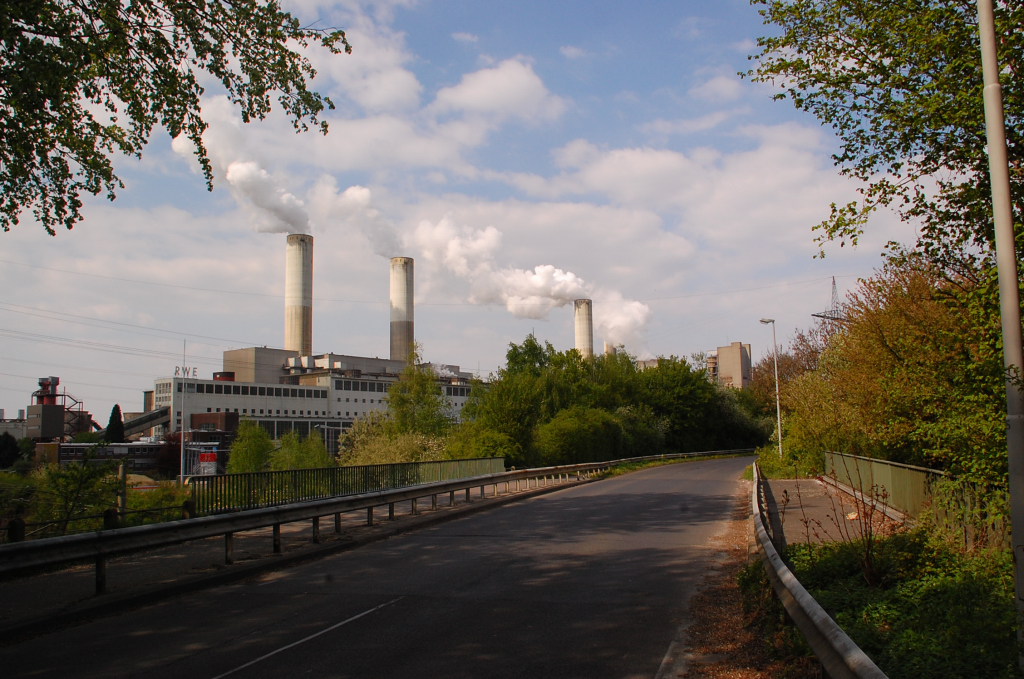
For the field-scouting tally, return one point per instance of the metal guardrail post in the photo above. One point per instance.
(229, 548)
(415, 511)
(316, 530)
(277, 538)
(468, 499)
(433, 501)
(451, 499)
(337, 523)
(391, 511)
(369, 516)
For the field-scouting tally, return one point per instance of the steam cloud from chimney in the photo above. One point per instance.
(526, 293)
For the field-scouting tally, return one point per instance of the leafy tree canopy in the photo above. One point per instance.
(115, 426)
(296, 453)
(900, 83)
(81, 81)
(250, 451)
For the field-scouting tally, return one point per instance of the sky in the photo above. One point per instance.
(524, 154)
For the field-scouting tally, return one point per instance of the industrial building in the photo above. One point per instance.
(730, 366)
(292, 389)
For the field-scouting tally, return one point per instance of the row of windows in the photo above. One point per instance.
(354, 385)
(245, 390)
(457, 391)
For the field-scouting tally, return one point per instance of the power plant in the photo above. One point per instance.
(583, 317)
(402, 334)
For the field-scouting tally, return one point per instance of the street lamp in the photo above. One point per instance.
(1009, 292)
(778, 406)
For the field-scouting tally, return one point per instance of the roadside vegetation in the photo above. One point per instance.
(548, 407)
(911, 371)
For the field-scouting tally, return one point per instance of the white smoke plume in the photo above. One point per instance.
(352, 206)
(526, 293)
(272, 207)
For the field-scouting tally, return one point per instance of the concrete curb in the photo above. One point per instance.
(113, 605)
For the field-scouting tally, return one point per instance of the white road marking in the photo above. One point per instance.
(310, 637)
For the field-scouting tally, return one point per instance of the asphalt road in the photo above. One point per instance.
(590, 581)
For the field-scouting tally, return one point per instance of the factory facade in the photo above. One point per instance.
(730, 366)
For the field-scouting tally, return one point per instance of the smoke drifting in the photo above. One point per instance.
(273, 208)
(353, 206)
(526, 293)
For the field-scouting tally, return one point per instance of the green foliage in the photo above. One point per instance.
(115, 426)
(64, 492)
(915, 376)
(168, 497)
(295, 453)
(938, 612)
(251, 449)
(374, 439)
(9, 450)
(474, 440)
(551, 407)
(88, 437)
(84, 81)
(577, 435)
(416, 403)
(900, 84)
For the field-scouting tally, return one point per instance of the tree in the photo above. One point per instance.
(900, 83)
(296, 453)
(9, 450)
(84, 80)
(250, 451)
(115, 426)
(416, 403)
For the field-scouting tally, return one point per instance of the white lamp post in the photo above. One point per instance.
(1009, 293)
(778, 406)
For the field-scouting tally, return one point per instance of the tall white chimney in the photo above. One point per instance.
(609, 349)
(402, 336)
(584, 319)
(298, 294)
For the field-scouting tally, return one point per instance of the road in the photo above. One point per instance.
(590, 581)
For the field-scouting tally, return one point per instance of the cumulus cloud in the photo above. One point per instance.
(509, 90)
(719, 88)
(570, 52)
(464, 37)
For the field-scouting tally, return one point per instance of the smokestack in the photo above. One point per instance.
(584, 318)
(402, 337)
(609, 349)
(298, 294)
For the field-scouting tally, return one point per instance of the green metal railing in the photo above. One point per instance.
(235, 492)
(906, 487)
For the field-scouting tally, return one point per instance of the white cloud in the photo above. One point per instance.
(718, 89)
(465, 37)
(690, 125)
(570, 52)
(511, 89)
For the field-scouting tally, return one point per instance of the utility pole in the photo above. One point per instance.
(1009, 290)
(778, 403)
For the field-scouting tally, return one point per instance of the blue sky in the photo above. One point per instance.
(523, 153)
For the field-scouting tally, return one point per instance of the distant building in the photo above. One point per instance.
(730, 366)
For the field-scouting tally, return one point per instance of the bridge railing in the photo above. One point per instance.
(236, 492)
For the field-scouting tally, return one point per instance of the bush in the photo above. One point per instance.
(307, 453)
(579, 435)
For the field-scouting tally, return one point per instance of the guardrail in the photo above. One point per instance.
(906, 486)
(841, 658)
(234, 492)
(102, 545)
